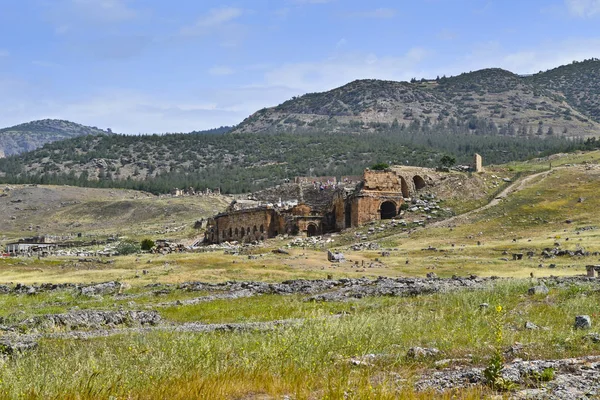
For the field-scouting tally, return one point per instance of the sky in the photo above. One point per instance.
(158, 66)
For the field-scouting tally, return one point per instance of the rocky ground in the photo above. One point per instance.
(571, 378)
(527, 379)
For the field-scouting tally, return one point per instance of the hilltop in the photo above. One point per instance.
(563, 101)
(32, 135)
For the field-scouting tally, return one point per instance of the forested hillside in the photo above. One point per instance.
(246, 162)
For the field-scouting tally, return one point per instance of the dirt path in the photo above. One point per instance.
(510, 189)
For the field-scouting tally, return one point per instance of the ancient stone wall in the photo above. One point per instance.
(381, 181)
(245, 226)
(369, 207)
(311, 179)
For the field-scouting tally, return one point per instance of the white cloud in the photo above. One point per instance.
(216, 17)
(221, 70)
(341, 43)
(583, 8)
(526, 61)
(379, 13)
(336, 71)
(105, 10)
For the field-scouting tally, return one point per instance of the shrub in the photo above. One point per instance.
(127, 247)
(147, 244)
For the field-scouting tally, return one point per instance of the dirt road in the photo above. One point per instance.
(510, 189)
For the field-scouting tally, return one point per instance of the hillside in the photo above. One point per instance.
(32, 135)
(29, 210)
(561, 102)
(238, 163)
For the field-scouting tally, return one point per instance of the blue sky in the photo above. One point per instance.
(145, 66)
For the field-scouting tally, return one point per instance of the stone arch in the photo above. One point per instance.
(311, 230)
(230, 232)
(237, 232)
(262, 229)
(388, 210)
(419, 182)
(243, 232)
(255, 229)
(404, 187)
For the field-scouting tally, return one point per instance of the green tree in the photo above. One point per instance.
(447, 161)
(147, 244)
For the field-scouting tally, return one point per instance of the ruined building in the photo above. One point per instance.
(310, 207)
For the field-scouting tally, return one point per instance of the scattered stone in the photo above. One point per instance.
(583, 322)
(531, 326)
(16, 345)
(540, 289)
(484, 305)
(101, 288)
(422, 352)
(335, 257)
(90, 319)
(594, 337)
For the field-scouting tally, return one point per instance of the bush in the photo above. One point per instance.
(147, 244)
(380, 166)
(128, 247)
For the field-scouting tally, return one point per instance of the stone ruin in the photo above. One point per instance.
(312, 206)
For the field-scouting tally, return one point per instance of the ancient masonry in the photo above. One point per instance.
(312, 206)
(477, 163)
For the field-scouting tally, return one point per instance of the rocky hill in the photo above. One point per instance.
(564, 101)
(32, 135)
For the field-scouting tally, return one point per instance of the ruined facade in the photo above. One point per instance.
(309, 210)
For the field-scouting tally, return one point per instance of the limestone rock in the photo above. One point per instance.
(583, 322)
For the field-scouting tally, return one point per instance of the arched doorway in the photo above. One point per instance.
(388, 210)
(419, 182)
(348, 215)
(311, 230)
(404, 187)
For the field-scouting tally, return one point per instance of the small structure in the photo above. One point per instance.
(592, 270)
(23, 248)
(477, 163)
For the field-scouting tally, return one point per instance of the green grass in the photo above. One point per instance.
(305, 361)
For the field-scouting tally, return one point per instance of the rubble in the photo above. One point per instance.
(89, 319)
(571, 378)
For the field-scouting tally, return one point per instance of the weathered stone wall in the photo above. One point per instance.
(303, 224)
(339, 210)
(245, 226)
(368, 206)
(311, 179)
(381, 181)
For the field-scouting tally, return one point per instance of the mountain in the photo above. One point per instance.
(564, 101)
(31, 135)
(493, 112)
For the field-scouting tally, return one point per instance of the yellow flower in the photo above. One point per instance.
(499, 308)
